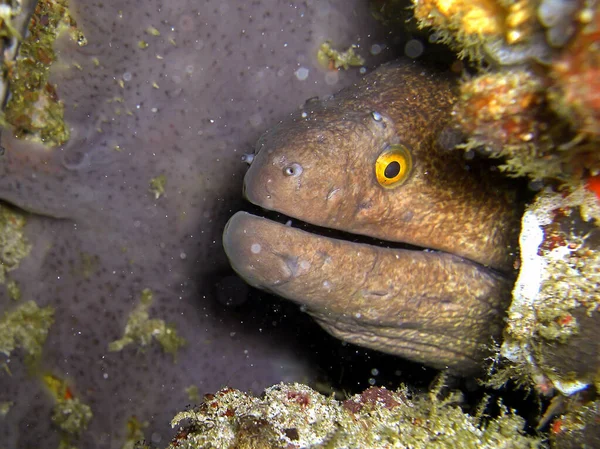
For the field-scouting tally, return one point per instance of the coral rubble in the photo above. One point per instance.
(295, 416)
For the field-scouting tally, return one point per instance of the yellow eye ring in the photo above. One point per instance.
(393, 166)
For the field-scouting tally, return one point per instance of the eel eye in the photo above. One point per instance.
(293, 170)
(393, 166)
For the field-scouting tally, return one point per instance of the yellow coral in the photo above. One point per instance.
(481, 17)
(472, 25)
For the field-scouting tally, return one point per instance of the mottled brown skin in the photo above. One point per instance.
(435, 308)
(441, 308)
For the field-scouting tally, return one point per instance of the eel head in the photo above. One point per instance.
(370, 161)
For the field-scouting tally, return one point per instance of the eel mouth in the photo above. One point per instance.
(268, 249)
(349, 237)
(297, 223)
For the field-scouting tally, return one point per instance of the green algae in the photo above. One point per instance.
(71, 415)
(34, 110)
(14, 245)
(141, 330)
(8, 30)
(25, 327)
(5, 407)
(157, 186)
(193, 393)
(328, 57)
(135, 433)
(14, 292)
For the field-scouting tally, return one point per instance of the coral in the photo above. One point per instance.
(575, 93)
(141, 329)
(579, 427)
(543, 120)
(551, 335)
(504, 113)
(499, 31)
(294, 416)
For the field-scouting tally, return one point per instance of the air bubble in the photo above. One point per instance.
(376, 49)
(414, 48)
(301, 73)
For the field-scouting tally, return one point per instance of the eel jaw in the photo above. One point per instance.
(431, 307)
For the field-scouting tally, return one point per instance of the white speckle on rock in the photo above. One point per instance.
(255, 248)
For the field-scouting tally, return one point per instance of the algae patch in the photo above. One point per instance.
(157, 186)
(69, 413)
(5, 407)
(14, 246)
(34, 110)
(331, 58)
(25, 327)
(135, 433)
(140, 329)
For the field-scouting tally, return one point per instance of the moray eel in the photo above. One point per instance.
(371, 161)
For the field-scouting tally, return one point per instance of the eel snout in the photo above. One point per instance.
(431, 307)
